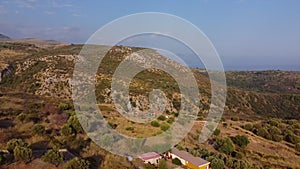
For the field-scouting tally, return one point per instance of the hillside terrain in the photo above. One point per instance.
(35, 93)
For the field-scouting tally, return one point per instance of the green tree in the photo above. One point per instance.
(217, 163)
(248, 126)
(226, 146)
(176, 161)
(154, 123)
(11, 144)
(22, 154)
(171, 120)
(292, 138)
(162, 164)
(241, 140)
(53, 156)
(262, 132)
(161, 118)
(78, 163)
(217, 132)
(75, 124)
(164, 126)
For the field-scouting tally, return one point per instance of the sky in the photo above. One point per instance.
(248, 34)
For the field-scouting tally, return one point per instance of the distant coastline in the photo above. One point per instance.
(262, 67)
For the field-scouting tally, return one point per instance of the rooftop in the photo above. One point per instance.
(188, 157)
(149, 155)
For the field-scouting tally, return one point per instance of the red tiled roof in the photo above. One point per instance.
(188, 157)
(150, 155)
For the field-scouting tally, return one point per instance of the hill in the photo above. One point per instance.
(35, 90)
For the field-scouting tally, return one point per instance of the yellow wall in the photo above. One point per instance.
(192, 166)
(204, 167)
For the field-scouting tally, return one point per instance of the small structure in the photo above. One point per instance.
(150, 157)
(188, 160)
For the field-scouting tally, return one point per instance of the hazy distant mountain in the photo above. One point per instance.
(4, 37)
(37, 42)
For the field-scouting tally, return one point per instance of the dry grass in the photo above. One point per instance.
(265, 151)
(140, 129)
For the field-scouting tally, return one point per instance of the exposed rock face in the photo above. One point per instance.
(5, 69)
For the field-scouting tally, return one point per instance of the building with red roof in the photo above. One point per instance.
(150, 157)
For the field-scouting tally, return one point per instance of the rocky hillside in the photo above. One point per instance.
(47, 72)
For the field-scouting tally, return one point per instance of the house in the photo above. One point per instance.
(150, 157)
(188, 160)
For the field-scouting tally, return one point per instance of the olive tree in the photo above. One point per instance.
(54, 157)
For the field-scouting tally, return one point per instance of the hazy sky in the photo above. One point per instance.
(244, 32)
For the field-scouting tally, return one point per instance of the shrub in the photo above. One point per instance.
(235, 118)
(3, 159)
(240, 164)
(53, 157)
(66, 130)
(217, 164)
(248, 127)
(64, 106)
(170, 120)
(277, 137)
(22, 153)
(226, 146)
(75, 124)
(262, 132)
(112, 125)
(176, 114)
(21, 117)
(274, 130)
(11, 144)
(164, 126)
(155, 123)
(162, 164)
(229, 162)
(78, 163)
(176, 161)
(241, 140)
(217, 132)
(179, 147)
(205, 153)
(273, 122)
(292, 138)
(237, 154)
(130, 128)
(149, 166)
(297, 147)
(39, 129)
(161, 118)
